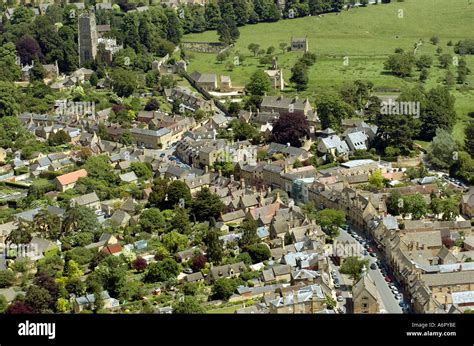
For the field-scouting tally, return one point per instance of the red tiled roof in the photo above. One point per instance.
(111, 249)
(72, 177)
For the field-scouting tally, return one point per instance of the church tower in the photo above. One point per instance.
(87, 33)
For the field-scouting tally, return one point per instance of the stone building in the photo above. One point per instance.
(87, 38)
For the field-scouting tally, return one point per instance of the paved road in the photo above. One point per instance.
(390, 304)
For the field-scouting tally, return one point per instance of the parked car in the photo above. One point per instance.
(337, 285)
(395, 291)
(387, 279)
(340, 298)
(399, 296)
(373, 254)
(373, 266)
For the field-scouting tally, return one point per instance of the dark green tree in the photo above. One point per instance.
(189, 305)
(206, 205)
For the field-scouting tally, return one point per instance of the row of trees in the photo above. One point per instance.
(415, 205)
(209, 17)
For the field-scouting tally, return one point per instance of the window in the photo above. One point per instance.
(365, 305)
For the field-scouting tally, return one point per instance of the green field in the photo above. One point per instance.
(365, 36)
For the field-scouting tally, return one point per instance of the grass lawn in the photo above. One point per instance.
(226, 310)
(364, 36)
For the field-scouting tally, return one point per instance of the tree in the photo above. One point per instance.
(223, 288)
(424, 61)
(227, 30)
(283, 47)
(73, 270)
(290, 128)
(223, 31)
(415, 205)
(198, 262)
(21, 15)
(434, 40)
(48, 283)
(142, 170)
(45, 223)
(111, 274)
(442, 150)
(19, 307)
(59, 138)
(253, 47)
(249, 232)
(225, 167)
(180, 221)
(28, 49)
(463, 168)
(189, 305)
(21, 234)
(353, 267)
(175, 241)
(93, 80)
(152, 105)
(38, 298)
(244, 131)
(178, 190)
(162, 271)
(400, 64)
(3, 303)
(398, 129)
(9, 106)
(445, 60)
(259, 83)
(79, 219)
(469, 137)
(376, 179)
(98, 167)
(448, 207)
(9, 70)
(123, 82)
(330, 221)
(139, 264)
(215, 249)
(332, 109)
(299, 76)
(258, 252)
(439, 112)
(463, 71)
(7, 278)
(357, 94)
(161, 253)
(62, 305)
(449, 79)
(206, 205)
(158, 193)
(212, 15)
(424, 74)
(152, 221)
(37, 72)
